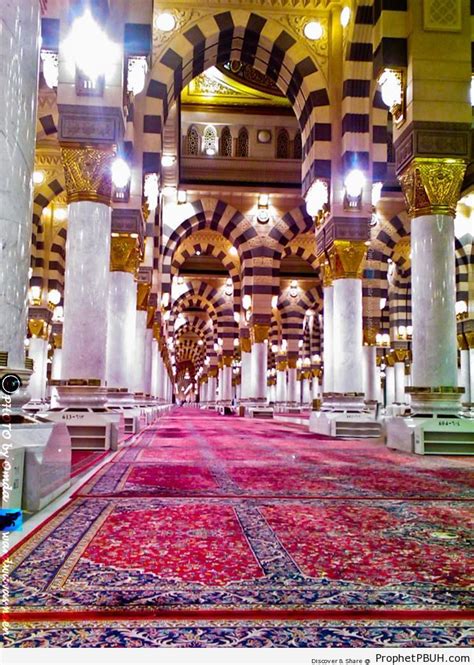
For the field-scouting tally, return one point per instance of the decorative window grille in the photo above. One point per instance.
(209, 141)
(243, 143)
(192, 147)
(283, 144)
(226, 143)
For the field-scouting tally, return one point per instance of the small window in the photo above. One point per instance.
(297, 146)
(243, 143)
(283, 144)
(209, 142)
(226, 143)
(192, 141)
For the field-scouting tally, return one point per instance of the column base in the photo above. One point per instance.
(352, 402)
(443, 400)
(431, 435)
(345, 425)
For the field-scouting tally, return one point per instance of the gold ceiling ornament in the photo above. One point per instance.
(400, 355)
(38, 328)
(124, 254)
(432, 186)
(259, 333)
(150, 316)
(58, 340)
(347, 258)
(87, 172)
(143, 292)
(226, 360)
(320, 47)
(369, 335)
(326, 272)
(245, 344)
(281, 366)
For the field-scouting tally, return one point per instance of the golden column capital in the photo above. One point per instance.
(226, 360)
(245, 344)
(326, 272)
(431, 186)
(213, 371)
(400, 355)
(462, 342)
(347, 258)
(281, 365)
(87, 172)
(260, 332)
(292, 363)
(143, 292)
(150, 316)
(370, 336)
(58, 340)
(470, 338)
(157, 332)
(125, 254)
(38, 328)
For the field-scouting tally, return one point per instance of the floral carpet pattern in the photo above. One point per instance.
(337, 543)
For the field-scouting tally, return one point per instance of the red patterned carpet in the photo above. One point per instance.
(83, 460)
(215, 531)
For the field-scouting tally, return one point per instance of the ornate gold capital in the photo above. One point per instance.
(226, 361)
(326, 272)
(292, 363)
(432, 185)
(370, 335)
(245, 344)
(143, 291)
(462, 342)
(38, 328)
(124, 254)
(281, 366)
(157, 332)
(58, 341)
(213, 371)
(150, 317)
(87, 172)
(400, 355)
(470, 338)
(347, 258)
(260, 332)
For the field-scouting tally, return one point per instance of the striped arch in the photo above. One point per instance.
(57, 260)
(202, 295)
(209, 214)
(293, 313)
(257, 41)
(207, 247)
(44, 194)
(202, 328)
(399, 299)
(306, 251)
(464, 261)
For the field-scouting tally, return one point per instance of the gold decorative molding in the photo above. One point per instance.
(157, 332)
(470, 338)
(400, 355)
(281, 366)
(292, 363)
(87, 172)
(370, 336)
(260, 333)
(347, 258)
(212, 373)
(38, 328)
(124, 254)
(150, 317)
(431, 186)
(143, 292)
(226, 360)
(462, 342)
(245, 344)
(326, 272)
(58, 341)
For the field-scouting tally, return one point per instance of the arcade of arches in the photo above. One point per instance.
(215, 213)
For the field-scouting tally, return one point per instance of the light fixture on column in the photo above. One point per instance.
(136, 73)
(316, 359)
(88, 46)
(165, 21)
(50, 67)
(461, 310)
(274, 302)
(263, 215)
(151, 190)
(38, 177)
(284, 345)
(54, 298)
(165, 300)
(237, 317)
(168, 160)
(317, 199)
(345, 17)
(313, 30)
(246, 302)
(58, 314)
(274, 348)
(353, 187)
(120, 173)
(182, 197)
(229, 287)
(34, 295)
(233, 251)
(392, 88)
(293, 288)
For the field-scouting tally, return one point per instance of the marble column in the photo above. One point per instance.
(19, 54)
(348, 372)
(57, 363)
(38, 352)
(431, 188)
(225, 396)
(328, 338)
(465, 375)
(271, 388)
(140, 360)
(212, 386)
(120, 362)
(306, 390)
(245, 367)
(281, 366)
(292, 383)
(400, 378)
(86, 291)
(259, 362)
(316, 386)
(148, 359)
(371, 387)
(389, 385)
(154, 367)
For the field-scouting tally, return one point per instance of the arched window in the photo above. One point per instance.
(297, 147)
(192, 141)
(226, 143)
(243, 143)
(283, 144)
(209, 141)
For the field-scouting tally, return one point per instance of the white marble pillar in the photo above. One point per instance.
(272, 392)
(348, 374)
(400, 382)
(121, 330)
(292, 387)
(464, 375)
(238, 392)
(226, 387)
(433, 297)
(328, 339)
(219, 385)
(140, 352)
(154, 367)
(471, 373)
(281, 385)
(315, 388)
(371, 387)
(148, 360)
(86, 291)
(211, 390)
(259, 372)
(38, 351)
(57, 363)
(245, 373)
(389, 385)
(306, 392)
(19, 53)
